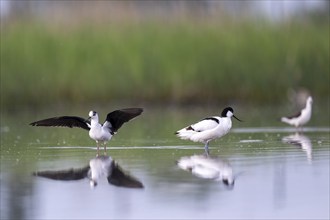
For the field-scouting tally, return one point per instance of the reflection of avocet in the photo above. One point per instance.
(301, 141)
(100, 166)
(208, 168)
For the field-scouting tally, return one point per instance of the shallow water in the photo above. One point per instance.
(277, 173)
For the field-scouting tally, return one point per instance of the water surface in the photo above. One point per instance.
(278, 173)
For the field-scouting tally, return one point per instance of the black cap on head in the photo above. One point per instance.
(224, 112)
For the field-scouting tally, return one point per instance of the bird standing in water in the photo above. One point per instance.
(209, 128)
(302, 117)
(101, 133)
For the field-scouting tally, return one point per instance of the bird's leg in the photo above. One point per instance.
(105, 148)
(207, 148)
(97, 146)
(299, 129)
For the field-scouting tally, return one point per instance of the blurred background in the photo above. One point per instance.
(179, 53)
(181, 61)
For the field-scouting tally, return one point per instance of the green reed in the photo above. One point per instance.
(161, 63)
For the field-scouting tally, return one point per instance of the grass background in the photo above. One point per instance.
(162, 63)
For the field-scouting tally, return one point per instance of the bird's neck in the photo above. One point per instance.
(94, 122)
(228, 121)
(308, 105)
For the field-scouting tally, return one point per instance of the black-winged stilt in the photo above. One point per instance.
(98, 132)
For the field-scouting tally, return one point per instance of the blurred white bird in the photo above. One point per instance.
(302, 117)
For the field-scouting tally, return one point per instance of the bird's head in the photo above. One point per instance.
(309, 100)
(229, 112)
(92, 115)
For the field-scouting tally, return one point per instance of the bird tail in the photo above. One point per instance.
(285, 120)
(185, 133)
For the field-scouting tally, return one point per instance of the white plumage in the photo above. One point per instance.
(206, 130)
(301, 141)
(99, 167)
(209, 128)
(301, 117)
(99, 132)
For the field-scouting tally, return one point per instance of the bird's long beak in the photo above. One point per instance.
(237, 118)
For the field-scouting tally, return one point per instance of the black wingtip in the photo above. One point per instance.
(138, 110)
(119, 178)
(134, 111)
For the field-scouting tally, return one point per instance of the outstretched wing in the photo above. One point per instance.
(70, 174)
(64, 121)
(119, 117)
(119, 178)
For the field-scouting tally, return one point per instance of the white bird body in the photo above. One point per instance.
(99, 132)
(209, 128)
(206, 130)
(302, 117)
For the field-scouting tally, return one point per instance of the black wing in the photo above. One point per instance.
(70, 174)
(64, 121)
(295, 143)
(119, 117)
(295, 115)
(119, 178)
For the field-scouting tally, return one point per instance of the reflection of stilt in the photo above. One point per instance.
(301, 141)
(99, 167)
